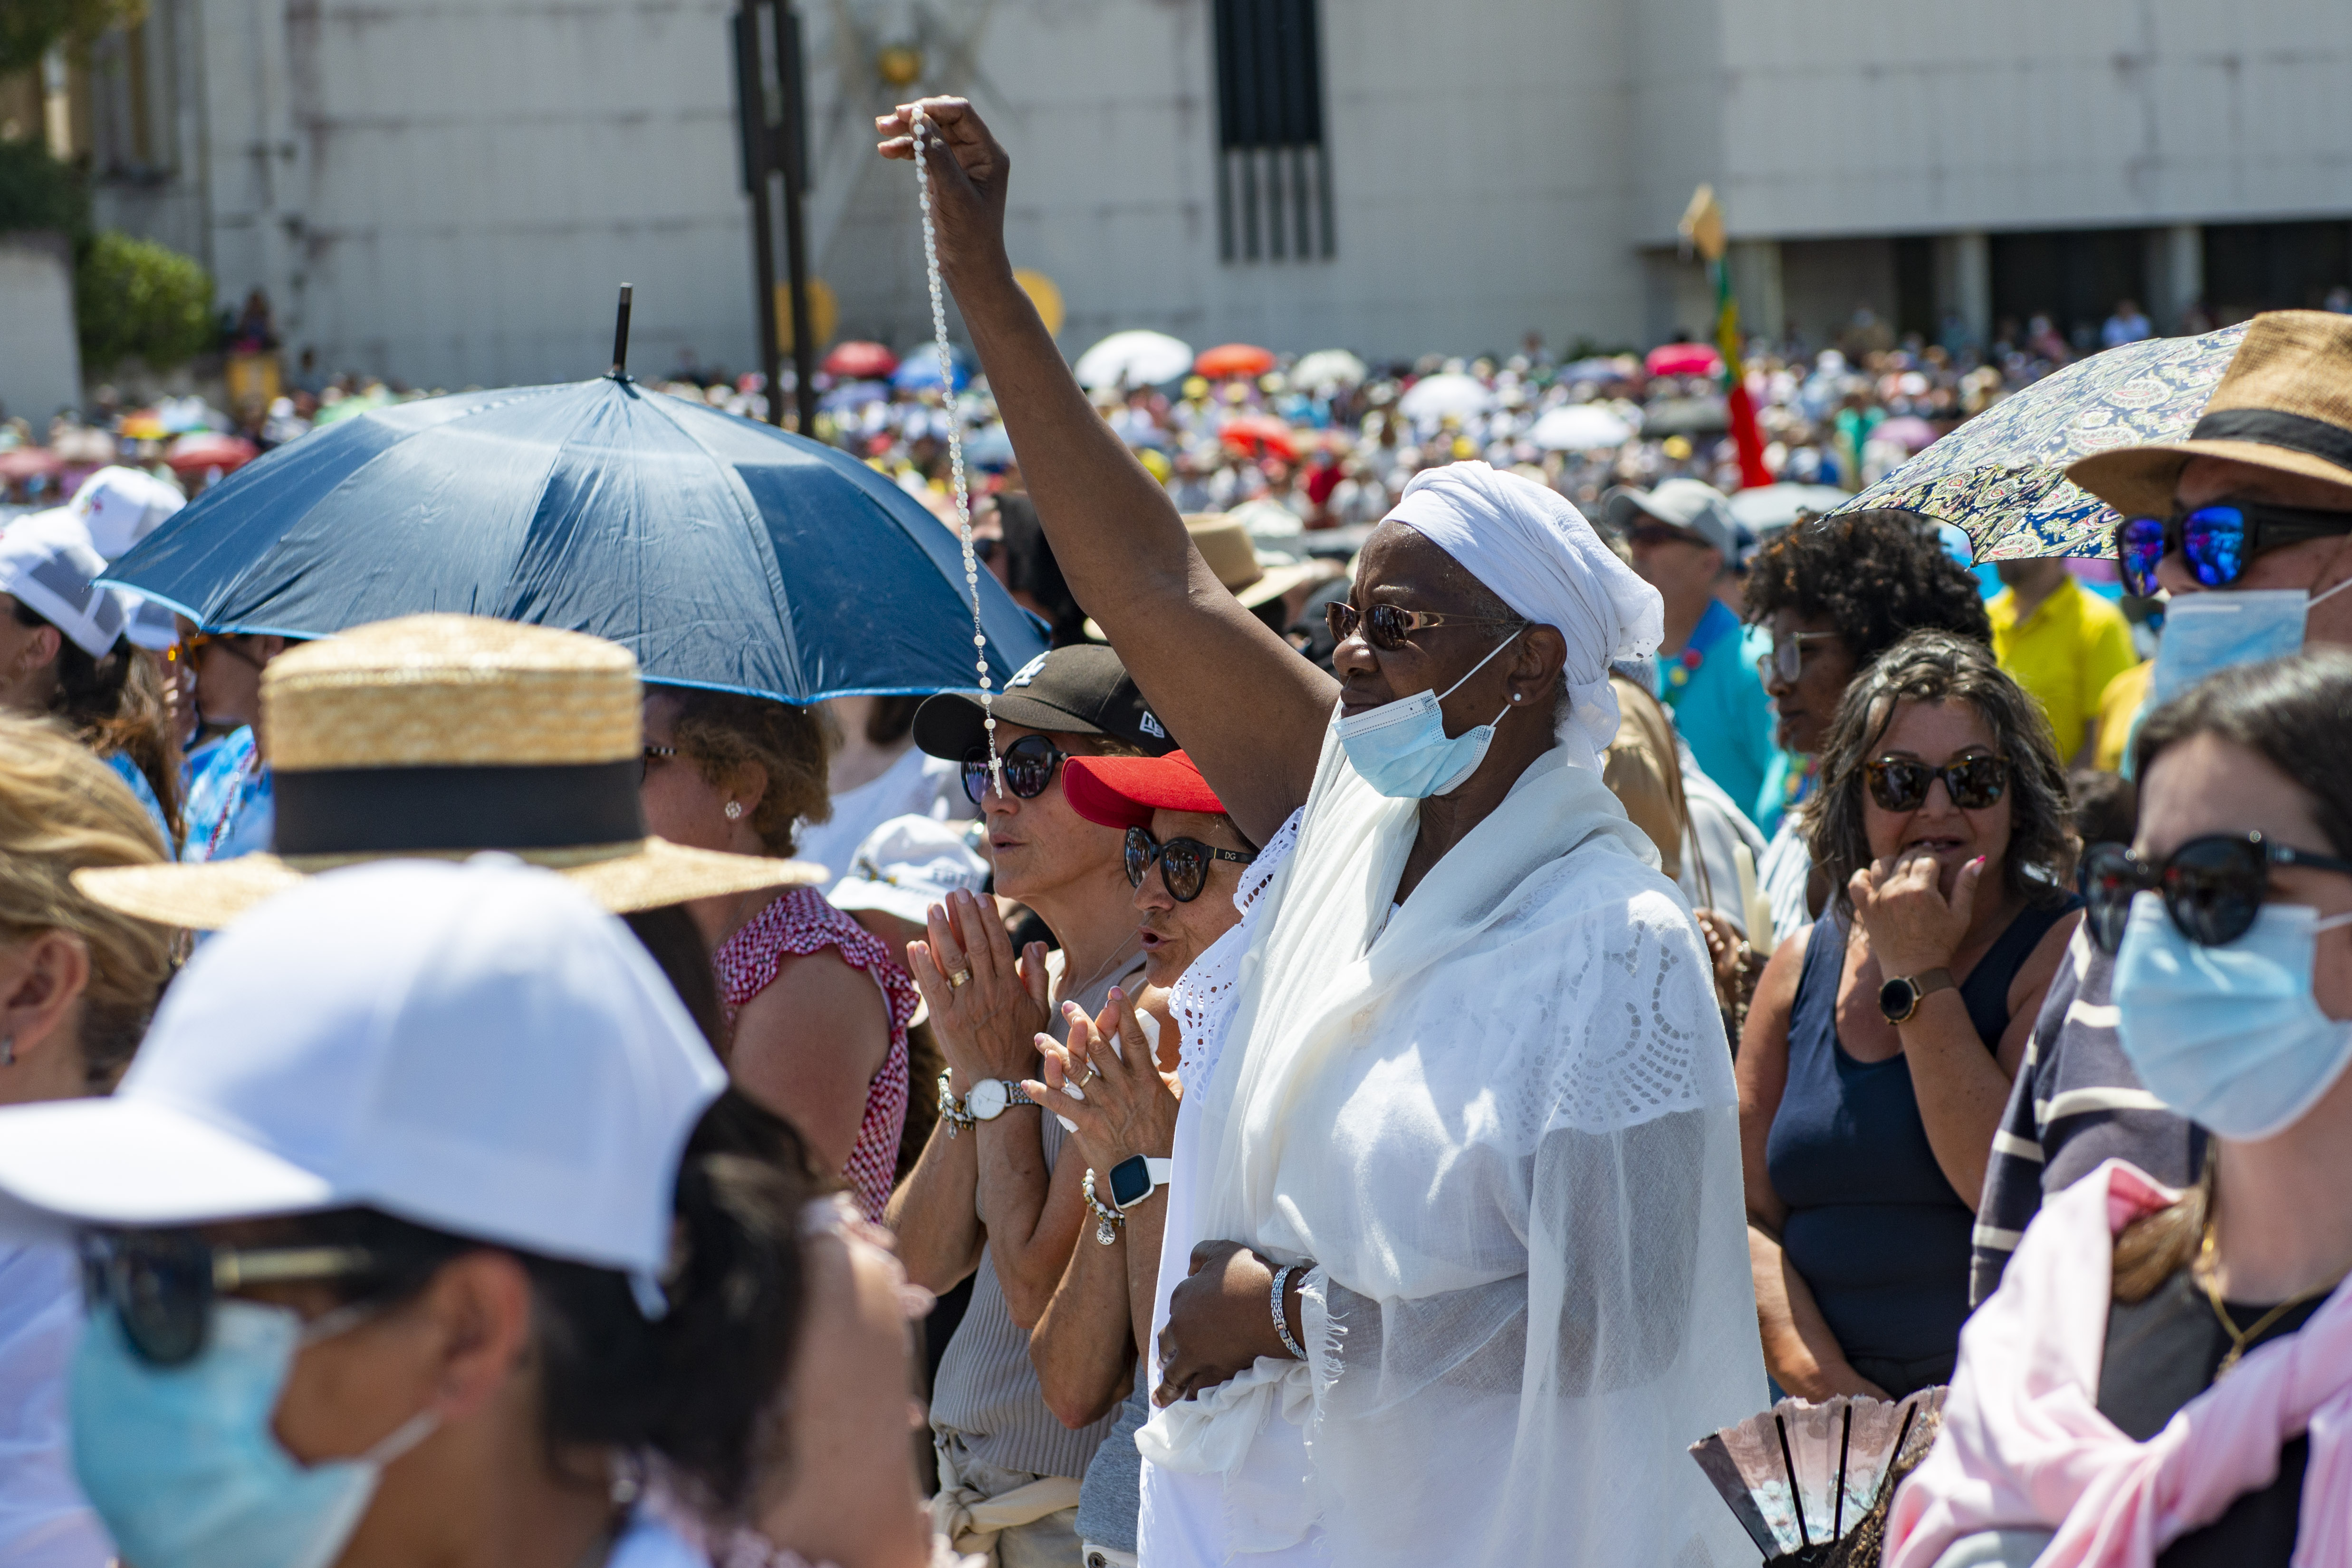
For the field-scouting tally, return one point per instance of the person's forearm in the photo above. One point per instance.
(1145, 1224)
(1015, 1186)
(1960, 1088)
(1116, 535)
(1799, 1352)
(1080, 1349)
(933, 1215)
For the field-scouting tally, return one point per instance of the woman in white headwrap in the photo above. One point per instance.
(1468, 1256)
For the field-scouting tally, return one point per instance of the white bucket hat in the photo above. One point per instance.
(906, 866)
(48, 564)
(473, 1046)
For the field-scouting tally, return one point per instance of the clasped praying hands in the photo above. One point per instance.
(986, 1006)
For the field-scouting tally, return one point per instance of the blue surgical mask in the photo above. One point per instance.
(2212, 631)
(1401, 748)
(2230, 1037)
(181, 1463)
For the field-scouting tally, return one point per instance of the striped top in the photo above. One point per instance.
(2077, 1104)
(986, 1391)
(795, 925)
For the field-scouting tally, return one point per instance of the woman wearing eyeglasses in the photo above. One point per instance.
(819, 1005)
(1882, 1039)
(76, 983)
(2167, 1377)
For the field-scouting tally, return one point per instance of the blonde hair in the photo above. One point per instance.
(62, 809)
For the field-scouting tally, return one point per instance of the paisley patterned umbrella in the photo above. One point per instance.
(2001, 475)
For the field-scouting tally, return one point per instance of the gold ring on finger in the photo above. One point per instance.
(961, 977)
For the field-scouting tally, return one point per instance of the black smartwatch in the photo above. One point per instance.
(1135, 1178)
(1898, 999)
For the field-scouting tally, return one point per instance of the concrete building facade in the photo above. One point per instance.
(449, 191)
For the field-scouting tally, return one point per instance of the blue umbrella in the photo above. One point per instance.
(920, 368)
(722, 553)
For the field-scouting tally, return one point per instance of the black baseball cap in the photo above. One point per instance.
(1079, 691)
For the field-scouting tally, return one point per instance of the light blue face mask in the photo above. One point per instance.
(181, 1463)
(2228, 1037)
(1401, 747)
(2211, 631)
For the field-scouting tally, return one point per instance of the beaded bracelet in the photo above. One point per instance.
(1282, 1319)
(1104, 1216)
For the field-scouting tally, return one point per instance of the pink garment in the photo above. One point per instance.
(2023, 1444)
(797, 924)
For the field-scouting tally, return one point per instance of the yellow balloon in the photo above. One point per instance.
(825, 314)
(1044, 295)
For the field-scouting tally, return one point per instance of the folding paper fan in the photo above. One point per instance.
(1799, 1475)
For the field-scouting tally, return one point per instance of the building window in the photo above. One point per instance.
(1274, 177)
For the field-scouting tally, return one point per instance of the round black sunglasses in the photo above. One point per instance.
(2213, 887)
(1183, 862)
(1029, 763)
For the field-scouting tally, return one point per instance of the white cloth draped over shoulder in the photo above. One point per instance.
(1503, 1125)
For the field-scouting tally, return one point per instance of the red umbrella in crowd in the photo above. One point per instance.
(1261, 435)
(859, 360)
(194, 453)
(21, 463)
(1684, 359)
(1233, 359)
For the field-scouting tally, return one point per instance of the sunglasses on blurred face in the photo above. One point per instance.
(2213, 887)
(1183, 862)
(2216, 542)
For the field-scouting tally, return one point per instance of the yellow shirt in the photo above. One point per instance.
(2064, 653)
(2120, 707)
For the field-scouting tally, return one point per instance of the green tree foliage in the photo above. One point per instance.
(36, 190)
(135, 297)
(30, 28)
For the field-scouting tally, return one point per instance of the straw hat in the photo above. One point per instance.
(1223, 542)
(438, 737)
(2285, 403)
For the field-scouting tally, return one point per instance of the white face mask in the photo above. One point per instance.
(1401, 748)
(2214, 631)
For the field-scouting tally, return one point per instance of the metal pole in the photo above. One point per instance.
(620, 369)
(793, 153)
(758, 157)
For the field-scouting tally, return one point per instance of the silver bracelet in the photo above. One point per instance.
(1282, 1319)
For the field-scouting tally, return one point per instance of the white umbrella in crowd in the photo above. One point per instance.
(1328, 368)
(1133, 359)
(1581, 427)
(1435, 397)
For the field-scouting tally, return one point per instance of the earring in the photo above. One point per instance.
(1515, 697)
(734, 810)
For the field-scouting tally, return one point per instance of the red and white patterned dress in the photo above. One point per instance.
(797, 924)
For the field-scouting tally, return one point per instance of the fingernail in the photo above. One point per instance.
(1116, 995)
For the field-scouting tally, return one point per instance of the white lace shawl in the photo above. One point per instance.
(1203, 998)
(1504, 1129)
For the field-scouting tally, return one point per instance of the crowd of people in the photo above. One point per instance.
(1352, 1063)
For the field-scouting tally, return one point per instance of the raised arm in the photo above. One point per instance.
(1242, 701)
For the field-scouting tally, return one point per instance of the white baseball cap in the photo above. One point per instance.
(122, 506)
(906, 866)
(1692, 506)
(49, 565)
(472, 1046)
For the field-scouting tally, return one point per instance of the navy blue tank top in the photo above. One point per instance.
(1873, 1227)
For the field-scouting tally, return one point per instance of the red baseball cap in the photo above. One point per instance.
(1123, 792)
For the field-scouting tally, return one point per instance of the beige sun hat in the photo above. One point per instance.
(1223, 542)
(443, 736)
(2284, 402)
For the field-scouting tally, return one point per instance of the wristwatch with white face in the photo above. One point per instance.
(1135, 1178)
(990, 1097)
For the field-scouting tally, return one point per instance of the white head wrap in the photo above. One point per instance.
(1537, 552)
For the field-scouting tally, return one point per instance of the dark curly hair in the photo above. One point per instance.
(1876, 576)
(1938, 667)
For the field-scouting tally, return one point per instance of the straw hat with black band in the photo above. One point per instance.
(439, 737)
(1223, 542)
(2285, 403)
